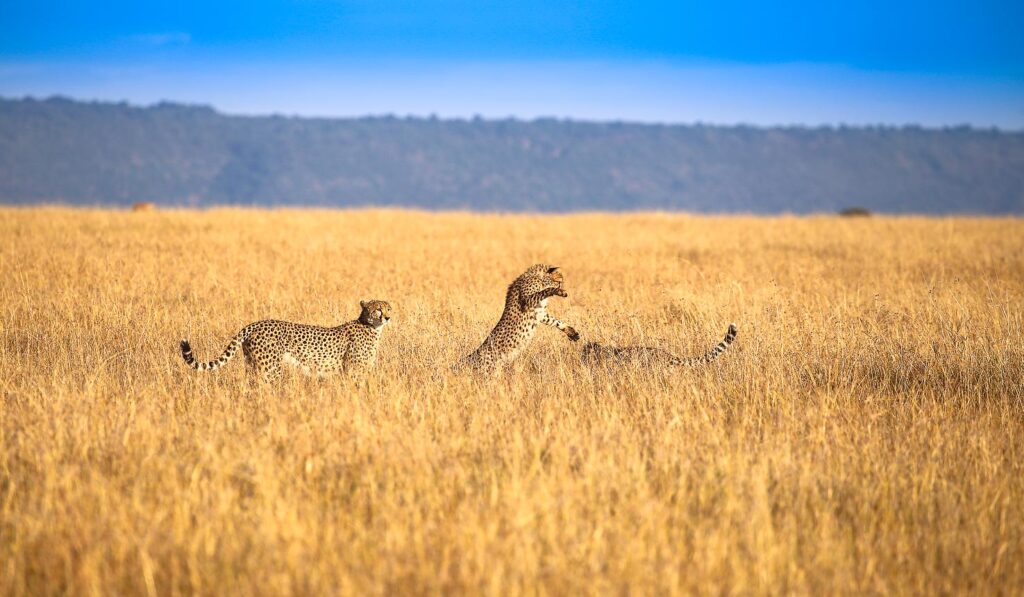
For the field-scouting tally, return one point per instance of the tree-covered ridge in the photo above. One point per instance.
(103, 153)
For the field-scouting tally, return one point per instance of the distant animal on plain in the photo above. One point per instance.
(855, 212)
(526, 305)
(596, 354)
(270, 343)
(143, 206)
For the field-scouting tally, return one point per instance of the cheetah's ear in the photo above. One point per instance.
(362, 304)
(552, 270)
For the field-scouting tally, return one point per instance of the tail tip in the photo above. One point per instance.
(732, 330)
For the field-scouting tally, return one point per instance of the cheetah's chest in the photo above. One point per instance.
(521, 332)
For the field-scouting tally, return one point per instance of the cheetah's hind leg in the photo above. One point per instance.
(262, 366)
(252, 372)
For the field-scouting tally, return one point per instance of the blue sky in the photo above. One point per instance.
(934, 63)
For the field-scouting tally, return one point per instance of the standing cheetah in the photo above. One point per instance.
(266, 344)
(595, 354)
(525, 306)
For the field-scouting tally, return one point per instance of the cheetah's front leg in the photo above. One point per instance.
(534, 300)
(560, 325)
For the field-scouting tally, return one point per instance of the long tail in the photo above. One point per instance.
(712, 354)
(233, 346)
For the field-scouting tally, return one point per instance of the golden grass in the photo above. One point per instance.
(865, 434)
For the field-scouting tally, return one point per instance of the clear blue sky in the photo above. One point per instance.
(801, 62)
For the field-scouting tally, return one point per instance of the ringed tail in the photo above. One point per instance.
(712, 354)
(190, 358)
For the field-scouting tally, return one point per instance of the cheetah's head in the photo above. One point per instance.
(546, 275)
(375, 313)
(536, 279)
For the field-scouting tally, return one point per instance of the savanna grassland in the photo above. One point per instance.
(865, 433)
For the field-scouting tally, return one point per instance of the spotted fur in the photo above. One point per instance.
(321, 350)
(595, 354)
(526, 305)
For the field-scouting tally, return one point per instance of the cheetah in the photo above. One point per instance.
(595, 354)
(266, 344)
(525, 306)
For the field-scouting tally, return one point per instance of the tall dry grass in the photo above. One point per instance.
(865, 434)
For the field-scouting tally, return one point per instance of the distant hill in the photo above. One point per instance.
(59, 150)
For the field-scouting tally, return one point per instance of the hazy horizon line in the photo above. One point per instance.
(478, 117)
(872, 213)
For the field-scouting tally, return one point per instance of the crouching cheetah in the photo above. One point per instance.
(526, 305)
(595, 354)
(321, 350)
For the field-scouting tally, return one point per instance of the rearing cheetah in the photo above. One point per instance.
(525, 306)
(266, 344)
